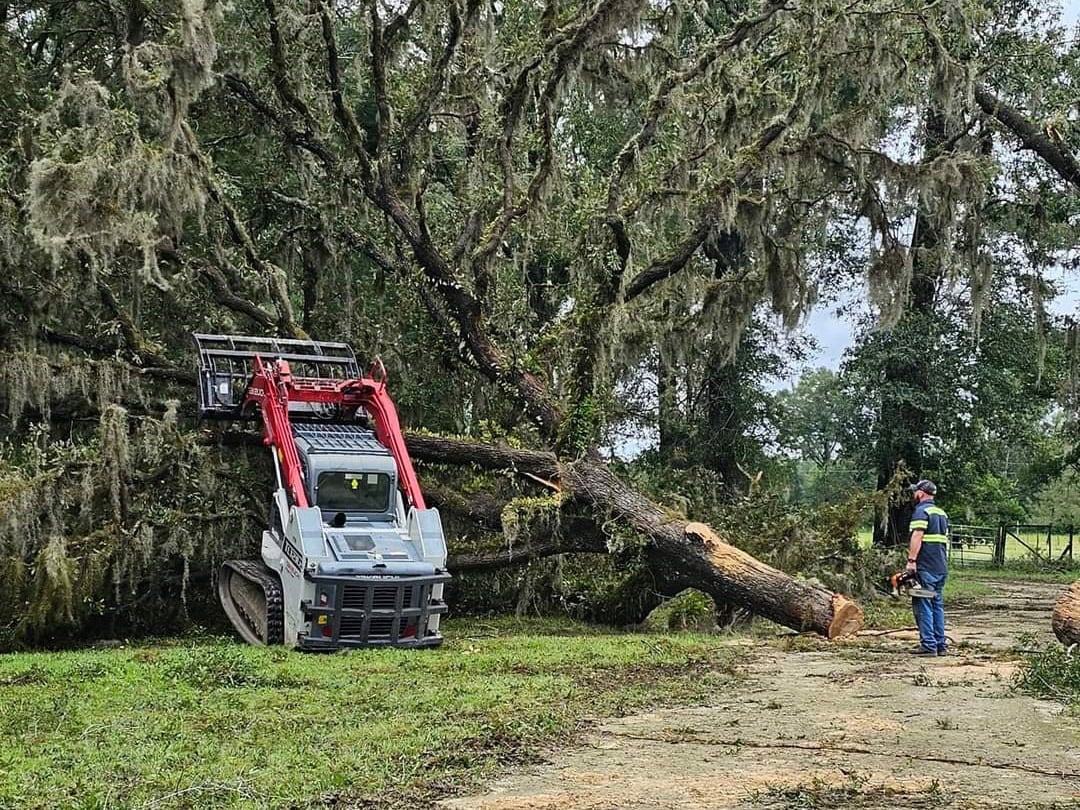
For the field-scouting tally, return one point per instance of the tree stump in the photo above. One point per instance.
(1066, 619)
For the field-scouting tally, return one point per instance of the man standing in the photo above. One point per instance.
(927, 558)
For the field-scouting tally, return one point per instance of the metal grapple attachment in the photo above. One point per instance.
(226, 366)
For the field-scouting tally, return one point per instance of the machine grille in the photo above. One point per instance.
(380, 628)
(384, 598)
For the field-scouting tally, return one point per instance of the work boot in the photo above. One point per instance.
(923, 651)
(943, 651)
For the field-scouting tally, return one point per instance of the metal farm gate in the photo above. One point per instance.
(1042, 544)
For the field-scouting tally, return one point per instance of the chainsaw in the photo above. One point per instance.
(905, 583)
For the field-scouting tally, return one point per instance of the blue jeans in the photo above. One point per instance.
(930, 613)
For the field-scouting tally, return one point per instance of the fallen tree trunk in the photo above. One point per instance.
(682, 554)
(1066, 616)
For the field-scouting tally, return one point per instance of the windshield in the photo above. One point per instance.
(354, 492)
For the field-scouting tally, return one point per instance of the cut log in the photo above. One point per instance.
(681, 554)
(741, 579)
(1066, 616)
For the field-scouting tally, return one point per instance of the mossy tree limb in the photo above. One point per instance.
(681, 553)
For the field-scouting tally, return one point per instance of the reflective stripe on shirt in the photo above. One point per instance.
(932, 523)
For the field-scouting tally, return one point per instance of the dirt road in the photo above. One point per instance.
(863, 724)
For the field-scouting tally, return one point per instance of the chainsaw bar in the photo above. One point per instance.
(252, 598)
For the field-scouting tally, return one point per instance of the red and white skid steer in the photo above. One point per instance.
(347, 561)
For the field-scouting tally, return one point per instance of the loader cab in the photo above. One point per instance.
(348, 472)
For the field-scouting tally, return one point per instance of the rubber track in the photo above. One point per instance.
(256, 571)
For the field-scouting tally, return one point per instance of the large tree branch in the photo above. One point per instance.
(399, 24)
(575, 535)
(134, 340)
(275, 278)
(1054, 153)
(569, 47)
(512, 107)
(438, 317)
(567, 532)
(308, 141)
(422, 115)
(486, 456)
(385, 118)
(101, 347)
(343, 113)
(227, 297)
(465, 310)
(280, 72)
(681, 553)
(667, 266)
(662, 97)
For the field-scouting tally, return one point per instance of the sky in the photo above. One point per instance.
(836, 334)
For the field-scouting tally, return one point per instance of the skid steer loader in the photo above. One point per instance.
(346, 561)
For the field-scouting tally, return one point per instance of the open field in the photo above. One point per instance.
(214, 724)
(756, 719)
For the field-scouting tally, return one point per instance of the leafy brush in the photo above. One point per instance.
(1051, 672)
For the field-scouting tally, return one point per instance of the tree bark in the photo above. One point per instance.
(685, 554)
(1045, 143)
(670, 420)
(1066, 616)
(579, 536)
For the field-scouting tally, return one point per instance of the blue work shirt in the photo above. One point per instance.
(934, 523)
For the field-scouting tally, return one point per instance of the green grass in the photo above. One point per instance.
(887, 614)
(214, 724)
(890, 614)
(1016, 571)
(866, 538)
(962, 587)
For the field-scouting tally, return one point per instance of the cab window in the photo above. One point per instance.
(354, 492)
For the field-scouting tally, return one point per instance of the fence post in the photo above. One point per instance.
(1049, 545)
(999, 547)
(1070, 542)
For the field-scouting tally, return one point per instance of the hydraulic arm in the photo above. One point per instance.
(274, 386)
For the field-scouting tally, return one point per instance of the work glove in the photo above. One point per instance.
(910, 567)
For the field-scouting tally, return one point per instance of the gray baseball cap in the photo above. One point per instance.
(925, 485)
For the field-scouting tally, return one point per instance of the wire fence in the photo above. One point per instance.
(1040, 544)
